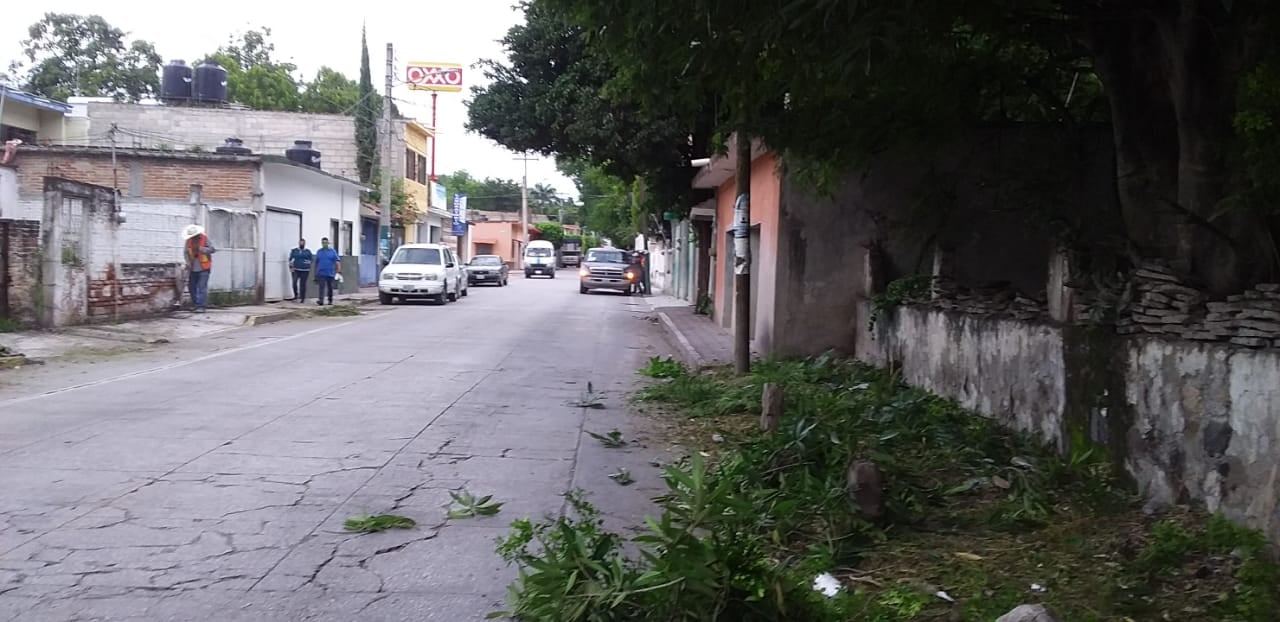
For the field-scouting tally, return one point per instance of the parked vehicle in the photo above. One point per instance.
(570, 253)
(540, 258)
(422, 271)
(606, 268)
(487, 269)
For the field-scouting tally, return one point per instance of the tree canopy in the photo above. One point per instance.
(552, 95)
(67, 55)
(833, 84)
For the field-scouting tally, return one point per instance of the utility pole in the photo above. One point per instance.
(384, 219)
(742, 259)
(524, 207)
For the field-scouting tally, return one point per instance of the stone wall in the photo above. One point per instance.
(183, 128)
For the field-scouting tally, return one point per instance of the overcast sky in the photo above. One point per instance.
(313, 34)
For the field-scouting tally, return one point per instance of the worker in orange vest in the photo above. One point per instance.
(199, 256)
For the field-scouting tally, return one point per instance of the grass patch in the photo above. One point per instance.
(989, 516)
(343, 310)
(612, 440)
(9, 325)
(379, 522)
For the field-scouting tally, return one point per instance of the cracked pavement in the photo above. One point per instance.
(209, 480)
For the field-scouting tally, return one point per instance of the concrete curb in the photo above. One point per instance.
(259, 320)
(690, 355)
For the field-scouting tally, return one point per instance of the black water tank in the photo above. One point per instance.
(210, 83)
(175, 82)
(302, 153)
(233, 146)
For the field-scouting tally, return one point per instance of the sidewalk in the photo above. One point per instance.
(701, 341)
(178, 325)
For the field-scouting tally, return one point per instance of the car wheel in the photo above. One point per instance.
(443, 297)
(553, 274)
(466, 289)
(451, 296)
(384, 298)
(582, 289)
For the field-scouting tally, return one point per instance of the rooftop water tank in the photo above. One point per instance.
(175, 82)
(210, 83)
(302, 153)
(233, 146)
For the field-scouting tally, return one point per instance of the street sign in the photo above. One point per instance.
(444, 77)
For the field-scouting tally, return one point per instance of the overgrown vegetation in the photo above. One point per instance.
(980, 514)
(898, 293)
(9, 325)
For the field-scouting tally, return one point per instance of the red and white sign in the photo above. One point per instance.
(434, 77)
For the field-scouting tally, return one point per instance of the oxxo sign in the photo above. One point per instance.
(434, 77)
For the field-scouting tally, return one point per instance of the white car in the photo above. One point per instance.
(422, 271)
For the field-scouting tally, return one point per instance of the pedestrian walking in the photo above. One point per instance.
(199, 255)
(327, 266)
(300, 267)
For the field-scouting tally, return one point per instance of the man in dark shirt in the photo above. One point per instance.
(328, 265)
(300, 266)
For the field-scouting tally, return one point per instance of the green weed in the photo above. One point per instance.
(466, 505)
(379, 522)
(970, 508)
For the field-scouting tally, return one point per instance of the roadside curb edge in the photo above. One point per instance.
(690, 355)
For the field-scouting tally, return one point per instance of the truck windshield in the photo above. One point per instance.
(430, 256)
(605, 256)
(538, 252)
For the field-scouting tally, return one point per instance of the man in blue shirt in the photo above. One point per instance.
(300, 266)
(328, 265)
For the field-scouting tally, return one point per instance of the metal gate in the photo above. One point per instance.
(284, 229)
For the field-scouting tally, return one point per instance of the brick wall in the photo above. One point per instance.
(21, 245)
(133, 290)
(151, 176)
(151, 126)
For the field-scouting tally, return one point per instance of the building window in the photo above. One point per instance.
(9, 132)
(422, 169)
(410, 165)
(346, 238)
(72, 218)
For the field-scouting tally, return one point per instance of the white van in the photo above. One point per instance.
(540, 258)
(422, 271)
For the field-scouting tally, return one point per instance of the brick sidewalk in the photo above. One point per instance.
(702, 342)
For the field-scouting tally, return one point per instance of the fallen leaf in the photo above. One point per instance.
(969, 556)
(1000, 482)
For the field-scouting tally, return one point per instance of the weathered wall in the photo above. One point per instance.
(1012, 371)
(907, 203)
(1186, 420)
(181, 128)
(134, 268)
(21, 262)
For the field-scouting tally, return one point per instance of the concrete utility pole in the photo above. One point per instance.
(524, 207)
(742, 259)
(384, 219)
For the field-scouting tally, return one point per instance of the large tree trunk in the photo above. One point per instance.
(1171, 75)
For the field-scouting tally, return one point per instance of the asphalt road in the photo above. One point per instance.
(210, 480)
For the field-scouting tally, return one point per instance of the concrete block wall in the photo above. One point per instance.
(183, 128)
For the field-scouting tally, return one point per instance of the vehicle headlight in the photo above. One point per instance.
(630, 275)
(432, 277)
(387, 276)
(584, 272)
